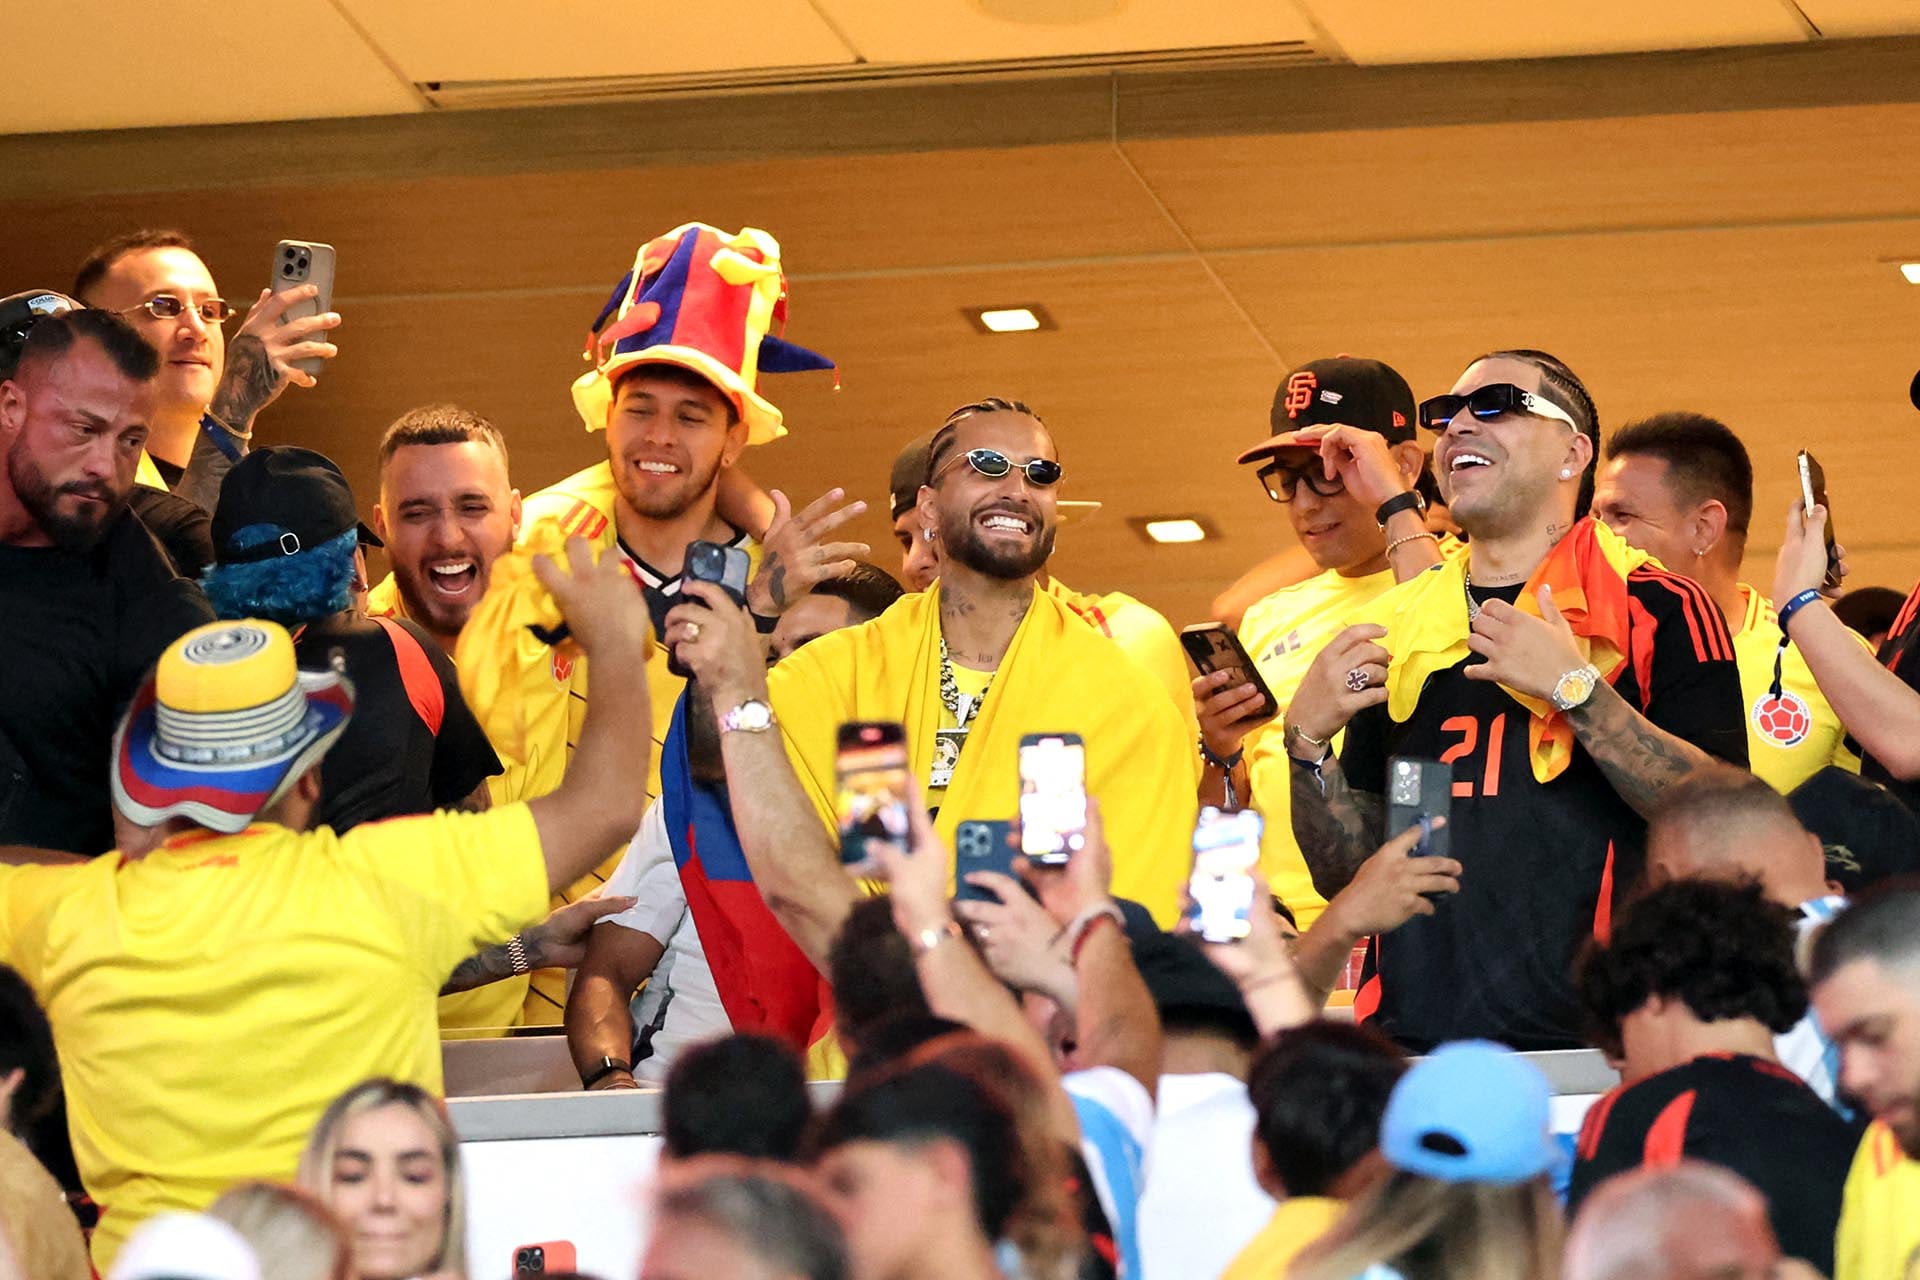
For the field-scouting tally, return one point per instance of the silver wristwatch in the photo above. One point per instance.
(751, 716)
(1575, 687)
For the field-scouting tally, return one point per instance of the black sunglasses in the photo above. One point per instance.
(1041, 473)
(1494, 400)
(1281, 483)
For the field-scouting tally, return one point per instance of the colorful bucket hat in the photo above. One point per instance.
(225, 724)
(706, 301)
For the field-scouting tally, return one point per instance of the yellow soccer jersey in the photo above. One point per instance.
(1794, 736)
(1143, 635)
(1283, 634)
(210, 999)
(1879, 1237)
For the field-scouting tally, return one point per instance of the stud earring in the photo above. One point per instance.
(1566, 473)
(928, 535)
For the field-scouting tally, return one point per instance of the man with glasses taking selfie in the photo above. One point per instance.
(1344, 464)
(208, 390)
(1564, 678)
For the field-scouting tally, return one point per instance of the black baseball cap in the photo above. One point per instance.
(909, 473)
(280, 501)
(1867, 832)
(1339, 391)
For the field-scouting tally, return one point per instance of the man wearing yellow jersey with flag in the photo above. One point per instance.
(1679, 486)
(1139, 629)
(1563, 680)
(677, 352)
(1864, 976)
(210, 996)
(1344, 463)
(969, 667)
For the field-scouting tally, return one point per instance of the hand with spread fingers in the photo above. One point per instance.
(1348, 675)
(1524, 653)
(260, 358)
(715, 639)
(1020, 942)
(1229, 710)
(794, 556)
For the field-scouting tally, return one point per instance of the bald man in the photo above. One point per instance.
(1690, 1221)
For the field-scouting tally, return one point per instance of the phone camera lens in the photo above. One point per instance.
(287, 270)
(288, 252)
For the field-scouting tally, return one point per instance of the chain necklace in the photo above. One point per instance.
(1473, 606)
(963, 709)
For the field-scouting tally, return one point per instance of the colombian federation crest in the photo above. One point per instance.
(1783, 719)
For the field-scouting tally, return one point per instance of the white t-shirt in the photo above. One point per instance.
(1116, 1127)
(1805, 1050)
(682, 986)
(1202, 1203)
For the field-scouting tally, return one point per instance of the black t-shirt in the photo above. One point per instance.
(1544, 864)
(82, 629)
(389, 763)
(1900, 654)
(1746, 1114)
(183, 530)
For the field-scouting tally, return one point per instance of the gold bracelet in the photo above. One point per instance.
(1412, 537)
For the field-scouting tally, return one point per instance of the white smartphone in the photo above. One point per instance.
(298, 262)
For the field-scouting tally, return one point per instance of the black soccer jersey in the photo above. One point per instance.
(1743, 1113)
(1543, 863)
(1900, 654)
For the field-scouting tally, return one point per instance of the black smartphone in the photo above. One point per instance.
(1053, 797)
(872, 772)
(1226, 850)
(981, 846)
(1418, 791)
(725, 567)
(1213, 647)
(1813, 493)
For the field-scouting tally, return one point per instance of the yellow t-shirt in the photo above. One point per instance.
(210, 999)
(1283, 634)
(1143, 635)
(1879, 1237)
(1789, 741)
(972, 685)
(1295, 1224)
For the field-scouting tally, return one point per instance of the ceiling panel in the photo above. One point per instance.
(1708, 169)
(979, 30)
(133, 64)
(1841, 19)
(442, 40)
(1375, 31)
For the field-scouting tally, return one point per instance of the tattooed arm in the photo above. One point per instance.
(1336, 827)
(795, 559)
(1640, 759)
(260, 358)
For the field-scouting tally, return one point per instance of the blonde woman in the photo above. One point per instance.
(1470, 1195)
(384, 1158)
(294, 1235)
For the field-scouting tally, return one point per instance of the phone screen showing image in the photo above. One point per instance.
(872, 771)
(1053, 796)
(1226, 850)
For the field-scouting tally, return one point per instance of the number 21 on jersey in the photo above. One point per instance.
(1468, 730)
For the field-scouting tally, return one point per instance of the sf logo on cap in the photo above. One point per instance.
(1300, 389)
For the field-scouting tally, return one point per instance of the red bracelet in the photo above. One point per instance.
(1086, 931)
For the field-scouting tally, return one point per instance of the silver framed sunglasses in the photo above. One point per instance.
(1041, 473)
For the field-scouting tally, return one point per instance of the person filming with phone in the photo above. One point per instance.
(1565, 679)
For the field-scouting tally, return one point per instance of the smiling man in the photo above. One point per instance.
(1561, 730)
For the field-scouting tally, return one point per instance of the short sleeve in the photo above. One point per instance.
(1695, 692)
(462, 756)
(647, 872)
(453, 883)
(27, 895)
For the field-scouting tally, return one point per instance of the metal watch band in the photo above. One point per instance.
(517, 955)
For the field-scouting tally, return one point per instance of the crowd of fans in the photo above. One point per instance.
(272, 829)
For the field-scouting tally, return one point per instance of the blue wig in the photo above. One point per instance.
(303, 587)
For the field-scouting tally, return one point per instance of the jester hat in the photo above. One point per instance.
(704, 300)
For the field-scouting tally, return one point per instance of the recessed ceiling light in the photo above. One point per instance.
(1911, 270)
(1175, 529)
(1024, 318)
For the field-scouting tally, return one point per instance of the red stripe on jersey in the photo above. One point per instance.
(1667, 1137)
(1098, 619)
(1711, 639)
(1603, 909)
(1901, 621)
(1595, 1123)
(573, 514)
(1366, 1001)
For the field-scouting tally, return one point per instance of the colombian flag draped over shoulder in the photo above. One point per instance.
(1058, 675)
(764, 980)
(1427, 628)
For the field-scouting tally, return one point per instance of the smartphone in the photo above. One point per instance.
(1813, 493)
(871, 765)
(298, 262)
(1213, 647)
(549, 1257)
(726, 567)
(1418, 791)
(1226, 850)
(980, 846)
(1053, 797)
